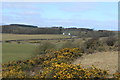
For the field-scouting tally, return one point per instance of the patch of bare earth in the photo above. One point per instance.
(102, 60)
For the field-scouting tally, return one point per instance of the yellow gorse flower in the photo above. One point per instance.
(53, 65)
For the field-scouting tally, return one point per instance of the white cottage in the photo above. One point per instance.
(69, 34)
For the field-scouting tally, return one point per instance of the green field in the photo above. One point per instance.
(14, 51)
(37, 36)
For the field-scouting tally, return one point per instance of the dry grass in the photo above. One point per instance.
(103, 60)
(37, 36)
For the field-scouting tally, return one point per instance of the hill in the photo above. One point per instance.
(30, 29)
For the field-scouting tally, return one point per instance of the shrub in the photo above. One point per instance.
(18, 42)
(72, 40)
(52, 65)
(34, 41)
(116, 75)
(64, 71)
(64, 55)
(91, 45)
(46, 46)
(117, 46)
(13, 72)
(69, 44)
(96, 34)
(111, 41)
(8, 41)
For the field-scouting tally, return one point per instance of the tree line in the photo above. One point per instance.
(29, 29)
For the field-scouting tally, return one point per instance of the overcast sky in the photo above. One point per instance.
(95, 15)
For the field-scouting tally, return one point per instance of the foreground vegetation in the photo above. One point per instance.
(55, 64)
(47, 61)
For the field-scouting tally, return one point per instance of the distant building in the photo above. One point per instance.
(69, 34)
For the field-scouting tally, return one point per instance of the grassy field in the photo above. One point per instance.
(14, 51)
(37, 36)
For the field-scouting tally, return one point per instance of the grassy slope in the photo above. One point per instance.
(37, 36)
(16, 51)
(103, 60)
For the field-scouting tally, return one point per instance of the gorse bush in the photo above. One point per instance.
(91, 45)
(100, 44)
(65, 55)
(64, 71)
(45, 60)
(56, 64)
(13, 72)
(116, 75)
(111, 41)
